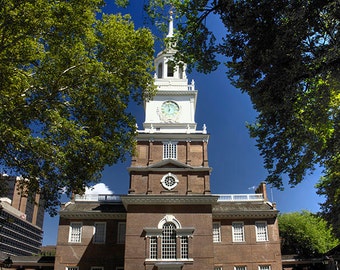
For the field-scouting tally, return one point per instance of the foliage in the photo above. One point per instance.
(305, 234)
(68, 73)
(329, 187)
(285, 55)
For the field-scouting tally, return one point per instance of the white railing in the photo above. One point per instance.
(239, 197)
(116, 198)
(98, 198)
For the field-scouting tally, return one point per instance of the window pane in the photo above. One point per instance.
(218, 268)
(169, 150)
(184, 247)
(264, 267)
(121, 232)
(240, 268)
(153, 247)
(261, 231)
(99, 232)
(238, 232)
(216, 232)
(169, 241)
(75, 232)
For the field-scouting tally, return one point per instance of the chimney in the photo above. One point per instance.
(261, 189)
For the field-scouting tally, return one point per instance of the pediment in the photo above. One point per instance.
(170, 163)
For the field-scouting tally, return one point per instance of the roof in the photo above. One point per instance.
(92, 209)
(248, 209)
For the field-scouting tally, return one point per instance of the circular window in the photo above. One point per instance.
(169, 181)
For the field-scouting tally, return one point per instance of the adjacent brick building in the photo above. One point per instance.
(169, 219)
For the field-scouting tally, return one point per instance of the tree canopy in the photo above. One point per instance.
(285, 55)
(305, 234)
(67, 75)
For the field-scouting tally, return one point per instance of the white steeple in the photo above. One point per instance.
(171, 27)
(173, 108)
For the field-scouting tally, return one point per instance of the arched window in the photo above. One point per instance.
(160, 71)
(180, 71)
(171, 68)
(169, 241)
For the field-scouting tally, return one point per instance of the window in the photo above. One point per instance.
(121, 232)
(264, 267)
(160, 71)
(218, 268)
(261, 231)
(153, 247)
(169, 150)
(72, 268)
(240, 267)
(169, 241)
(238, 232)
(184, 247)
(99, 233)
(169, 181)
(216, 232)
(171, 68)
(75, 232)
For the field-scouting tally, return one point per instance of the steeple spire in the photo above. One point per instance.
(171, 26)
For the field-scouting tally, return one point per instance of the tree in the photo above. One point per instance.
(329, 187)
(68, 73)
(305, 234)
(285, 54)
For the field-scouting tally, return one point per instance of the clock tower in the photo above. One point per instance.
(169, 200)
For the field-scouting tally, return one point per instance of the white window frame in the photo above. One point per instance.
(169, 241)
(153, 247)
(99, 237)
(218, 268)
(216, 232)
(72, 267)
(169, 150)
(240, 267)
(121, 232)
(75, 236)
(261, 231)
(238, 236)
(264, 267)
(184, 247)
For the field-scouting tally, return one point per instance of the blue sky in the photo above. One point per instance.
(233, 156)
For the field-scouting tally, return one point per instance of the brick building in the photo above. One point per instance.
(21, 220)
(169, 219)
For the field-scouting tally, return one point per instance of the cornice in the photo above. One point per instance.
(185, 92)
(151, 169)
(91, 215)
(174, 136)
(245, 214)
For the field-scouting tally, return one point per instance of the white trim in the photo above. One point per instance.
(237, 234)
(169, 218)
(164, 181)
(216, 232)
(260, 235)
(72, 238)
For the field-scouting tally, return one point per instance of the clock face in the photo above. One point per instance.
(170, 109)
